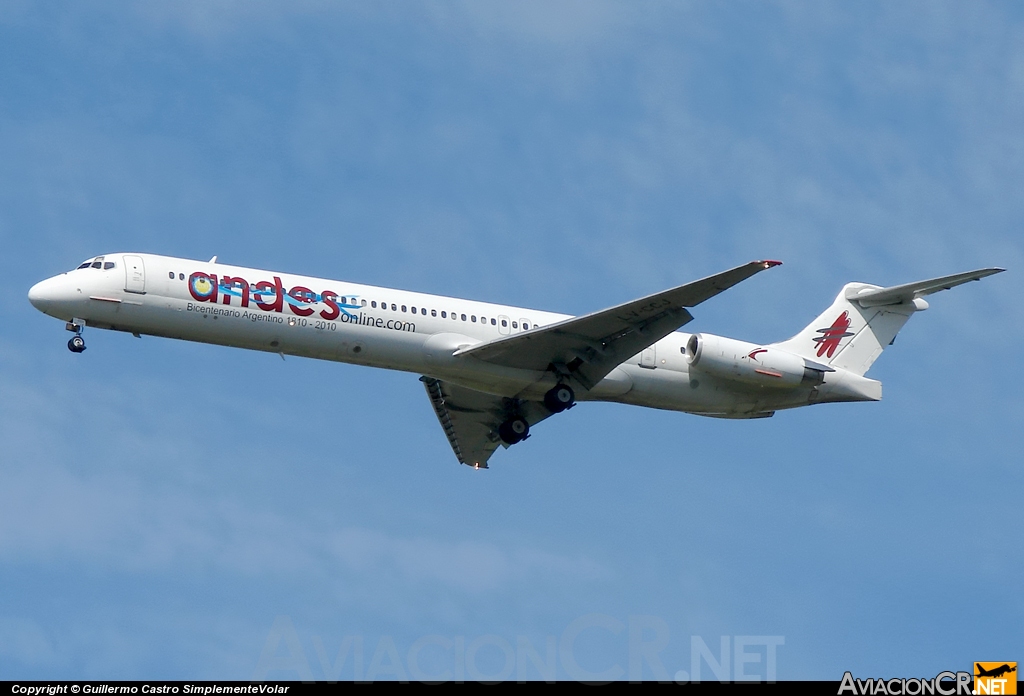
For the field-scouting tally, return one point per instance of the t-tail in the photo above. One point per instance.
(864, 319)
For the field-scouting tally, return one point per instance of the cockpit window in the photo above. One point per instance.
(107, 265)
(97, 264)
(85, 265)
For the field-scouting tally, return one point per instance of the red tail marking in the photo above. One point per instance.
(830, 337)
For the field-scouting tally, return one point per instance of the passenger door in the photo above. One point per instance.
(134, 275)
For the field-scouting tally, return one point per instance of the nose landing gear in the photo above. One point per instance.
(77, 343)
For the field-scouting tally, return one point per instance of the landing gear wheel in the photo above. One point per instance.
(514, 430)
(559, 398)
(76, 344)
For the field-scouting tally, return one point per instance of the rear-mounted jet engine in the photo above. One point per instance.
(740, 361)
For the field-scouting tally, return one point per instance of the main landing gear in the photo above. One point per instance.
(514, 430)
(77, 343)
(560, 398)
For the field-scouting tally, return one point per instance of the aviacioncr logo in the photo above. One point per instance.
(830, 338)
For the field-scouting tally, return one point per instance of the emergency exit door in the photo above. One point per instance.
(648, 358)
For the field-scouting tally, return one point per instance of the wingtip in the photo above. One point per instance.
(768, 263)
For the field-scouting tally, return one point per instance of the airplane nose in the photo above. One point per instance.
(45, 294)
(37, 294)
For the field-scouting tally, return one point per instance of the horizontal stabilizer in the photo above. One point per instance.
(897, 294)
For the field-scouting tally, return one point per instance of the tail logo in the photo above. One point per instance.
(829, 339)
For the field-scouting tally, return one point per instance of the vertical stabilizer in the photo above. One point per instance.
(849, 336)
(864, 319)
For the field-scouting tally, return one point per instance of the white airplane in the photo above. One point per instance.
(494, 371)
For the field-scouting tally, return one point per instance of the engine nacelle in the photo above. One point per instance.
(765, 366)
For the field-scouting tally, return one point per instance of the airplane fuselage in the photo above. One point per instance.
(347, 322)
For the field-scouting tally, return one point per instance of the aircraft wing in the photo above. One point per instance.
(591, 346)
(470, 418)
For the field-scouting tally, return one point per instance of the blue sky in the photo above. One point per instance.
(162, 503)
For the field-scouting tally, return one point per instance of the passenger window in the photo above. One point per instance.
(403, 308)
(433, 312)
(444, 314)
(171, 275)
(515, 325)
(181, 276)
(493, 323)
(374, 304)
(364, 303)
(525, 325)
(474, 318)
(394, 307)
(463, 317)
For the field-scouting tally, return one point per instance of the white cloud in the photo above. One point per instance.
(117, 524)
(573, 22)
(471, 566)
(127, 518)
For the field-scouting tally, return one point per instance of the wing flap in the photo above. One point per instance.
(470, 418)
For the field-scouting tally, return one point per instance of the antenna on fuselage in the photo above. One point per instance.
(213, 260)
